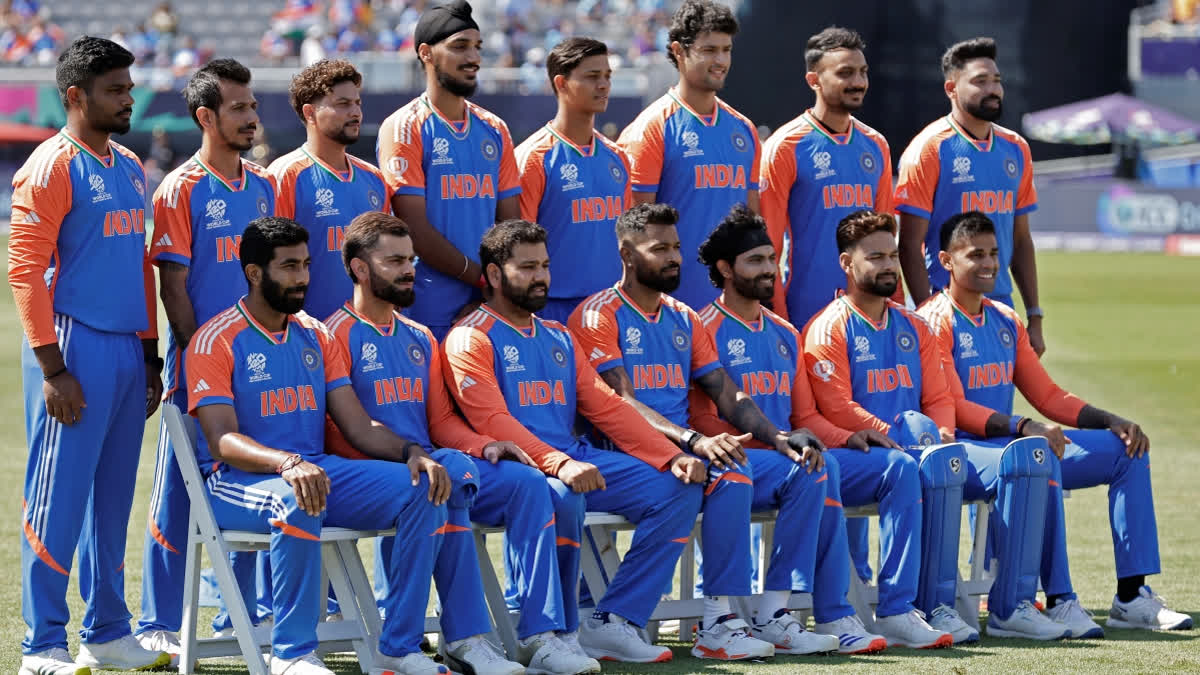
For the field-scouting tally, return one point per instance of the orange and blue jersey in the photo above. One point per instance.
(945, 171)
(462, 169)
(811, 179)
(661, 352)
(527, 384)
(701, 164)
(576, 193)
(78, 241)
(276, 382)
(864, 373)
(325, 200)
(987, 358)
(396, 372)
(765, 358)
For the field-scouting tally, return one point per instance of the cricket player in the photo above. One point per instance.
(84, 292)
(966, 162)
(261, 377)
(524, 379)
(690, 149)
(450, 164)
(988, 357)
(574, 181)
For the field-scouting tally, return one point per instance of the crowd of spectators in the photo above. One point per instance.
(27, 35)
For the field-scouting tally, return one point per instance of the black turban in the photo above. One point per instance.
(442, 21)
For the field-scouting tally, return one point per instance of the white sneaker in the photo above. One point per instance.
(789, 637)
(121, 654)
(1027, 622)
(853, 637)
(161, 641)
(1077, 619)
(309, 664)
(478, 655)
(618, 640)
(415, 663)
(910, 630)
(53, 661)
(730, 640)
(1147, 611)
(545, 654)
(947, 620)
(571, 640)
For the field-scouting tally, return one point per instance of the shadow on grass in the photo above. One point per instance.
(1136, 635)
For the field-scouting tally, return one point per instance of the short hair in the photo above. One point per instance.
(363, 234)
(264, 235)
(203, 90)
(733, 229)
(498, 243)
(958, 54)
(860, 225)
(86, 59)
(697, 17)
(635, 220)
(964, 226)
(318, 80)
(828, 40)
(568, 54)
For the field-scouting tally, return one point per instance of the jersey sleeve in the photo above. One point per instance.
(400, 154)
(39, 205)
(628, 194)
(883, 190)
(756, 163)
(214, 368)
(172, 223)
(335, 440)
(828, 369)
(936, 401)
(778, 175)
(643, 143)
(616, 418)
(446, 428)
(151, 291)
(285, 190)
(804, 411)
(533, 184)
(337, 368)
(704, 351)
(510, 179)
(919, 172)
(1038, 388)
(1027, 192)
(597, 334)
(468, 369)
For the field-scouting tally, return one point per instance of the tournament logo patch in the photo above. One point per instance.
(416, 355)
(256, 363)
(374, 198)
(559, 356)
(681, 340)
(1006, 337)
(906, 341)
(740, 143)
(370, 357)
(311, 359)
(867, 162)
(1010, 167)
(488, 148)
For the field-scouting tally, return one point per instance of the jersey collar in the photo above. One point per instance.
(337, 175)
(699, 118)
(105, 162)
(523, 332)
(839, 139)
(588, 150)
(451, 125)
(349, 309)
(648, 318)
(977, 321)
(270, 337)
(984, 145)
(221, 179)
(875, 325)
(739, 320)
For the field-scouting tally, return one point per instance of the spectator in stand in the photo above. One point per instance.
(163, 20)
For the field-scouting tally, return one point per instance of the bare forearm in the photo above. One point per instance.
(1024, 269)
(379, 442)
(749, 419)
(619, 381)
(242, 452)
(181, 315)
(912, 256)
(50, 358)
(1091, 417)
(433, 248)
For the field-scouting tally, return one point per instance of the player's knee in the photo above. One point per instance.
(943, 466)
(833, 470)
(1028, 458)
(570, 508)
(464, 478)
(902, 472)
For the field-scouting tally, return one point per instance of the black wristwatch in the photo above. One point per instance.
(689, 438)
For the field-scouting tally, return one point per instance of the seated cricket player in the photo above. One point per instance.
(988, 357)
(765, 354)
(871, 360)
(650, 348)
(523, 379)
(396, 372)
(261, 377)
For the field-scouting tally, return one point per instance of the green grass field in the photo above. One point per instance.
(1122, 333)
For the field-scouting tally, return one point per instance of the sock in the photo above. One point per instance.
(1128, 587)
(524, 640)
(769, 605)
(715, 607)
(1052, 600)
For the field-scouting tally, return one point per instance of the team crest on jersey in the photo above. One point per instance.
(441, 152)
(324, 199)
(966, 346)
(513, 356)
(397, 165)
(737, 352)
(370, 357)
(263, 206)
(633, 340)
(822, 162)
(96, 181)
(214, 210)
(256, 362)
(559, 356)
(1010, 167)
(962, 170)
(739, 141)
(488, 149)
(863, 346)
(374, 199)
(310, 358)
(867, 162)
(680, 340)
(1006, 337)
(691, 140)
(906, 341)
(616, 172)
(416, 355)
(138, 185)
(824, 369)
(782, 348)
(570, 176)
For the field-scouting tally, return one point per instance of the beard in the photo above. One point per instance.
(112, 125)
(343, 137)
(456, 87)
(280, 299)
(849, 105)
(884, 288)
(386, 290)
(524, 297)
(986, 114)
(236, 142)
(754, 288)
(660, 280)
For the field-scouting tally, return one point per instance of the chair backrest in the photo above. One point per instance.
(181, 429)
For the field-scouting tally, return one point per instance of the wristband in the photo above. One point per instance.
(1014, 425)
(1031, 312)
(407, 448)
(289, 463)
(1021, 424)
(55, 374)
(689, 438)
(156, 363)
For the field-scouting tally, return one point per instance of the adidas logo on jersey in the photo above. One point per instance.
(164, 240)
(466, 382)
(596, 354)
(201, 386)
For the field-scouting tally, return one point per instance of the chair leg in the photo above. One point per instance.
(334, 565)
(191, 602)
(361, 588)
(506, 628)
(238, 614)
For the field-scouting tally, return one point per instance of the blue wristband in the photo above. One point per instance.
(1014, 423)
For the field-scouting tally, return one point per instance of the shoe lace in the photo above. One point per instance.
(483, 650)
(1155, 598)
(58, 654)
(1026, 609)
(1073, 607)
(944, 612)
